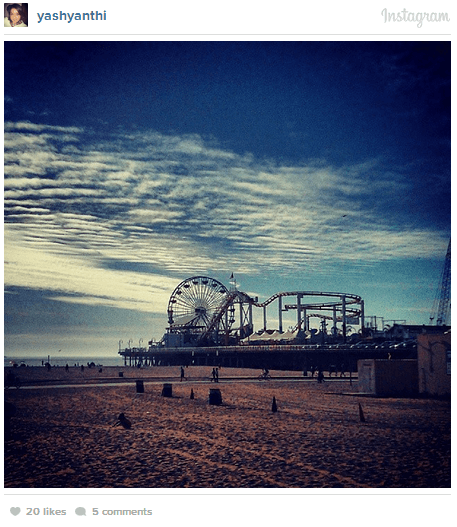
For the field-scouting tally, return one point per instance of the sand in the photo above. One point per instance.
(65, 437)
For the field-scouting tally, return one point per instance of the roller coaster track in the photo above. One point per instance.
(220, 313)
(350, 299)
(323, 307)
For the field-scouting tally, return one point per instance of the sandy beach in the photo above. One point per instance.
(64, 432)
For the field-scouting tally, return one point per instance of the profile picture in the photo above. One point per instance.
(16, 14)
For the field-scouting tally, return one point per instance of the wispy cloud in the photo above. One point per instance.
(78, 205)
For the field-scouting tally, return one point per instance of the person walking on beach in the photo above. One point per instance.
(320, 376)
(182, 374)
(216, 375)
(213, 375)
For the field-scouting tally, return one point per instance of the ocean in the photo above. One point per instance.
(56, 360)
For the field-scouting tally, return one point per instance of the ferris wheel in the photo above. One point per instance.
(194, 302)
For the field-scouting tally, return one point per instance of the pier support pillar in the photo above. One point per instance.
(343, 303)
(362, 315)
(280, 313)
(299, 312)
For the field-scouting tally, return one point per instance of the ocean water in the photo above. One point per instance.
(115, 360)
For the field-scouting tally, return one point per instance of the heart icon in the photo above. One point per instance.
(15, 511)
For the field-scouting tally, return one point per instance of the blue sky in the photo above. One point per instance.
(131, 166)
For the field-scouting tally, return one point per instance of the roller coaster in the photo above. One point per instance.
(210, 324)
(203, 312)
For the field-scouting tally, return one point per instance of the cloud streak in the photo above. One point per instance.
(81, 209)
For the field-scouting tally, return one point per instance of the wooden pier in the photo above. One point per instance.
(279, 357)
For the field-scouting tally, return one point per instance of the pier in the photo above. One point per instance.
(278, 357)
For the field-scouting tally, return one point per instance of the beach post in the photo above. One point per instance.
(215, 396)
(361, 414)
(167, 390)
(139, 387)
(274, 406)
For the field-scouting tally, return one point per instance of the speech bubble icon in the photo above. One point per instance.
(80, 511)
(15, 511)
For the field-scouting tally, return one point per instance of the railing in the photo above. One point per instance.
(247, 348)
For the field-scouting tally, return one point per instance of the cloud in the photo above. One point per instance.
(77, 277)
(184, 205)
(26, 125)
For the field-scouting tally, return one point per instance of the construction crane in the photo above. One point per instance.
(442, 304)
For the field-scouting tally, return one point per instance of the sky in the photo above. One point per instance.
(132, 166)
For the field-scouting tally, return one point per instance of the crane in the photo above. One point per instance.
(442, 304)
